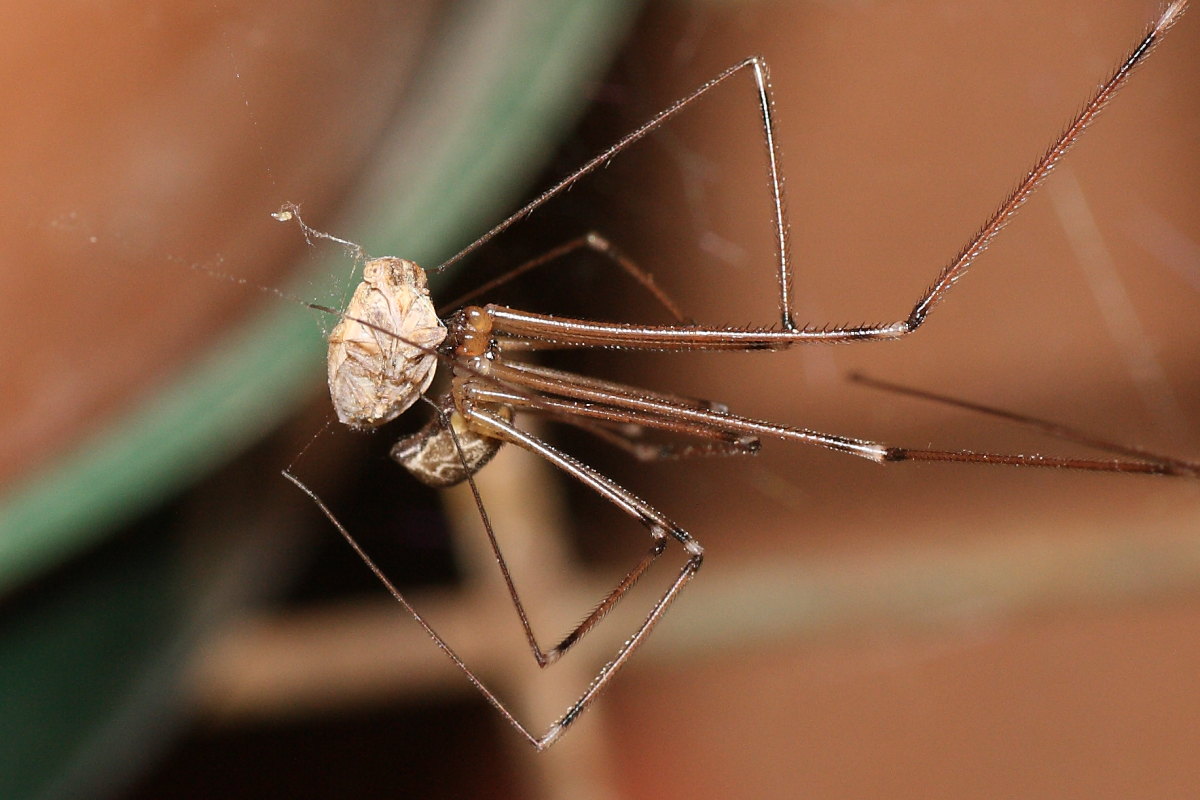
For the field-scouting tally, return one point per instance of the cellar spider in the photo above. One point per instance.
(386, 345)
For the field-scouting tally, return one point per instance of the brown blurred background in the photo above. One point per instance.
(856, 630)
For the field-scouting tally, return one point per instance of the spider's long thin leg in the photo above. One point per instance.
(581, 399)
(758, 68)
(630, 437)
(611, 422)
(660, 527)
(478, 390)
(1047, 427)
(539, 742)
(551, 375)
(591, 241)
(1173, 468)
(958, 266)
(542, 656)
(580, 333)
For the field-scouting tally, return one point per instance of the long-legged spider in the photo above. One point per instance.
(384, 350)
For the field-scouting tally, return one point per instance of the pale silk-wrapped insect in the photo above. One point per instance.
(375, 377)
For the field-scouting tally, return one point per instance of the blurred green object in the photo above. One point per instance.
(89, 656)
(89, 664)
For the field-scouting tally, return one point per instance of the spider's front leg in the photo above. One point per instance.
(662, 530)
